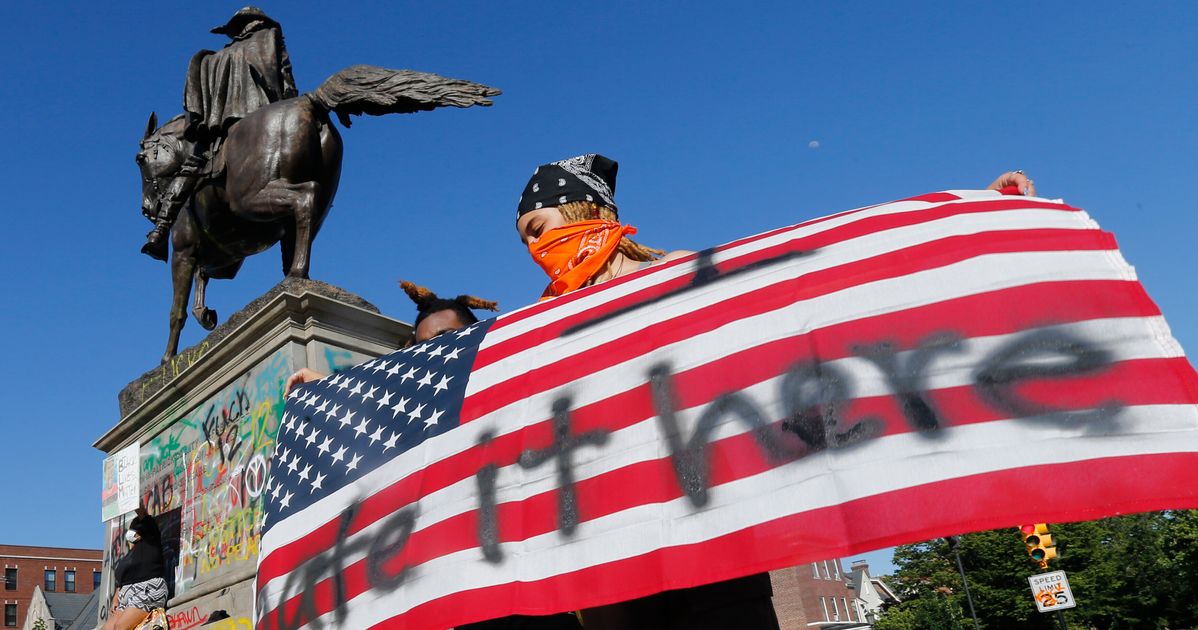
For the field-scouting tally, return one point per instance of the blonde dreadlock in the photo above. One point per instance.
(576, 211)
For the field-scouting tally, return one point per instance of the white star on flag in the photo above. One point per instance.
(431, 421)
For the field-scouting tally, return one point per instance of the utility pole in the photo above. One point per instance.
(954, 543)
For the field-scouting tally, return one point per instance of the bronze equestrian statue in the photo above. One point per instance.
(253, 70)
(280, 165)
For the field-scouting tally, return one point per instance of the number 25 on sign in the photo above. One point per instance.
(1051, 591)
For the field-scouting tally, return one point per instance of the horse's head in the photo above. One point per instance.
(160, 156)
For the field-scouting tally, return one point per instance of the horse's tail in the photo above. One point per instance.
(376, 91)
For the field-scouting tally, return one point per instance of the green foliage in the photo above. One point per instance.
(929, 613)
(1128, 572)
(40, 624)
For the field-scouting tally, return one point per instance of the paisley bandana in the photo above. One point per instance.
(573, 254)
(589, 177)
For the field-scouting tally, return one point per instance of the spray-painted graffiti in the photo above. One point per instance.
(206, 474)
(187, 618)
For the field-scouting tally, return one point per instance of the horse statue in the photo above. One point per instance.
(276, 175)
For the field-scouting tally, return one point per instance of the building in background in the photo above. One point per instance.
(816, 595)
(59, 611)
(52, 569)
(872, 593)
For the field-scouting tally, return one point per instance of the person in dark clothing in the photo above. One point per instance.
(139, 577)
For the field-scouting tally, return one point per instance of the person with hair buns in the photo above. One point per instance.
(434, 316)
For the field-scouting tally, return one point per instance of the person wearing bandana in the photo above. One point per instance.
(567, 217)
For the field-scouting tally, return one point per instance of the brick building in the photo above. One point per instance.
(815, 595)
(54, 569)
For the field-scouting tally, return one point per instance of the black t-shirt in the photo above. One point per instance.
(144, 560)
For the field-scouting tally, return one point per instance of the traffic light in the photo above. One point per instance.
(1039, 543)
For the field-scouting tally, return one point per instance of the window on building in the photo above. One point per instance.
(848, 616)
(51, 581)
(68, 581)
(836, 568)
(827, 574)
(96, 579)
(835, 609)
(10, 579)
(815, 570)
(10, 615)
(824, 602)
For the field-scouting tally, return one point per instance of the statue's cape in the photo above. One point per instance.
(225, 86)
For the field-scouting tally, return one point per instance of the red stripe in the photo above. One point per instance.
(829, 237)
(922, 257)
(1011, 310)
(1081, 491)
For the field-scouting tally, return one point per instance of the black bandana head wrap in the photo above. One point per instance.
(589, 177)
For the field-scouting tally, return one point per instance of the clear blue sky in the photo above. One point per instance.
(712, 108)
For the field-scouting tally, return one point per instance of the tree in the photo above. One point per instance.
(1135, 571)
(40, 624)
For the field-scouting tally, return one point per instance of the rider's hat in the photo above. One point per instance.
(244, 16)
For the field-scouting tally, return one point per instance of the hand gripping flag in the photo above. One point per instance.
(947, 363)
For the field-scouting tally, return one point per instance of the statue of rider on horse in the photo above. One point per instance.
(251, 162)
(222, 87)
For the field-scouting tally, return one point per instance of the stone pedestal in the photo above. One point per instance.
(207, 422)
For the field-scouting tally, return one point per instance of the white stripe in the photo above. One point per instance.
(886, 465)
(845, 252)
(655, 275)
(642, 441)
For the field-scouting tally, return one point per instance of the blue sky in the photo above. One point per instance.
(713, 109)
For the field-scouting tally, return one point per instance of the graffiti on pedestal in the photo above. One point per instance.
(203, 477)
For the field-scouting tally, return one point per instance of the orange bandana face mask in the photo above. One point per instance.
(572, 254)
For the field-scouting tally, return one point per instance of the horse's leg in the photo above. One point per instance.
(204, 315)
(305, 230)
(184, 257)
(283, 199)
(183, 266)
(287, 246)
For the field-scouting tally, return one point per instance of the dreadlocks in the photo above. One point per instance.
(575, 211)
(428, 303)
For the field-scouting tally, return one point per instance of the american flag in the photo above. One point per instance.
(946, 363)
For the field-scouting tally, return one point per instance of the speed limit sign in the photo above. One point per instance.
(1051, 591)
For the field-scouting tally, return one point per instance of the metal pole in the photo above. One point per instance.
(1061, 619)
(954, 542)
